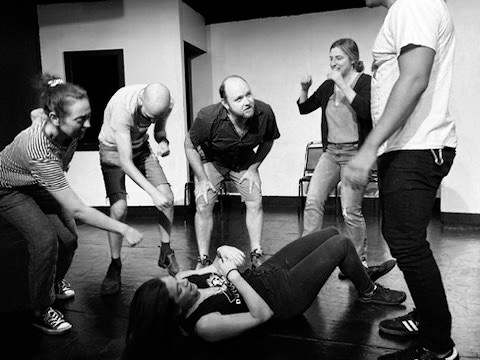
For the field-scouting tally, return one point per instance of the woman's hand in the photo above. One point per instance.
(306, 82)
(132, 236)
(231, 253)
(225, 266)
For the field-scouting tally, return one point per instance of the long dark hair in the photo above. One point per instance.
(152, 326)
(55, 95)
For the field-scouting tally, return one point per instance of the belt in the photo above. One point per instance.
(344, 143)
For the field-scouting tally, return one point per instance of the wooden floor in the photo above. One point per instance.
(335, 327)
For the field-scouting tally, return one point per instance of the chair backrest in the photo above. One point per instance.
(312, 153)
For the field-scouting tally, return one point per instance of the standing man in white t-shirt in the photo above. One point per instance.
(124, 149)
(414, 139)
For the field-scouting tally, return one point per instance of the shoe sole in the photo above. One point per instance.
(370, 301)
(64, 297)
(397, 332)
(52, 332)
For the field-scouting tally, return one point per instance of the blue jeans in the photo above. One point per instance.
(51, 236)
(291, 279)
(408, 183)
(327, 174)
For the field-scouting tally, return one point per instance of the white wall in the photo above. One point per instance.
(273, 54)
(149, 33)
(461, 189)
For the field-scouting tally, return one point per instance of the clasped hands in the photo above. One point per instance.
(228, 258)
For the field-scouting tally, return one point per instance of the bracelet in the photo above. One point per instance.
(228, 272)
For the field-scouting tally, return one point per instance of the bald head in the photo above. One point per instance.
(156, 99)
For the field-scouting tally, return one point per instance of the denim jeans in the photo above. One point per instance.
(51, 236)
(292, 278)
(408, 183)
(327, 174)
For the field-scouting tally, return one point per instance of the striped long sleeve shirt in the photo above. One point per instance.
(32, 158)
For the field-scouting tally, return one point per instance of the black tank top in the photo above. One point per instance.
(228, 301)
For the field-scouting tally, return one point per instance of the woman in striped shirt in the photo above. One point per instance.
(36, 198)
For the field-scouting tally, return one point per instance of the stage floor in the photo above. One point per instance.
(335, 327)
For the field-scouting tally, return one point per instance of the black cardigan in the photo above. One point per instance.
(360, 104)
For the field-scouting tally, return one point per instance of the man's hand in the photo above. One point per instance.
(204, 186)
(160, 201)
(163, 148)
(358, 169)
(253, 178)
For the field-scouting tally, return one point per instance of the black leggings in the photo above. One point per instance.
(292, 278)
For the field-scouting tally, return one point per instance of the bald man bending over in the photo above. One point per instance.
(124, 149)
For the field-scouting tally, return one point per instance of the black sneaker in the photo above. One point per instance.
(51, 322)
(256, 258)
(63, 290)
(417, 352)
(112, 281)
(203, 261)
(384, 296)
(167, 260)
(377, 271)
(405, 325)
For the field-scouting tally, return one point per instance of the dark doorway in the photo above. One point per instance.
(101, 73)
(19, 65)
(190, 52)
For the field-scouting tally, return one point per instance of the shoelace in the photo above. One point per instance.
(53, 318)
(204, 260)
(256, 253)
(63, 285)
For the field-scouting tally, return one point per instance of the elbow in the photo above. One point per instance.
(418, 84)
(78, 213)
(264, 315)
(302, 111)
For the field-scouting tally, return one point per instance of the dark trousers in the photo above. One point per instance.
(292, 278)
(51, 236)
(408, 182)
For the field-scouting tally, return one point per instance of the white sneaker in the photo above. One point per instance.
(51, 322)
(63, 290)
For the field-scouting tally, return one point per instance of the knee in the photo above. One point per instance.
(46, 244)
(410, 252)
(313, 201)
(343, 244)
(72, 244)
(166, 191)
(254, 205)
(118, 210)
(352, 213)
(169, 195)
(203, 209)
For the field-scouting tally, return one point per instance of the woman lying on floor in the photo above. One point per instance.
(219, 302)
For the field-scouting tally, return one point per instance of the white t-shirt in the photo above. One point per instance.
(123, 112)
(424, 23)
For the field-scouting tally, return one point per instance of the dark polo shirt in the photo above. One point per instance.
(215, 134)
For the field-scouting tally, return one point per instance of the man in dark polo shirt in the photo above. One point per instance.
(219, 145)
